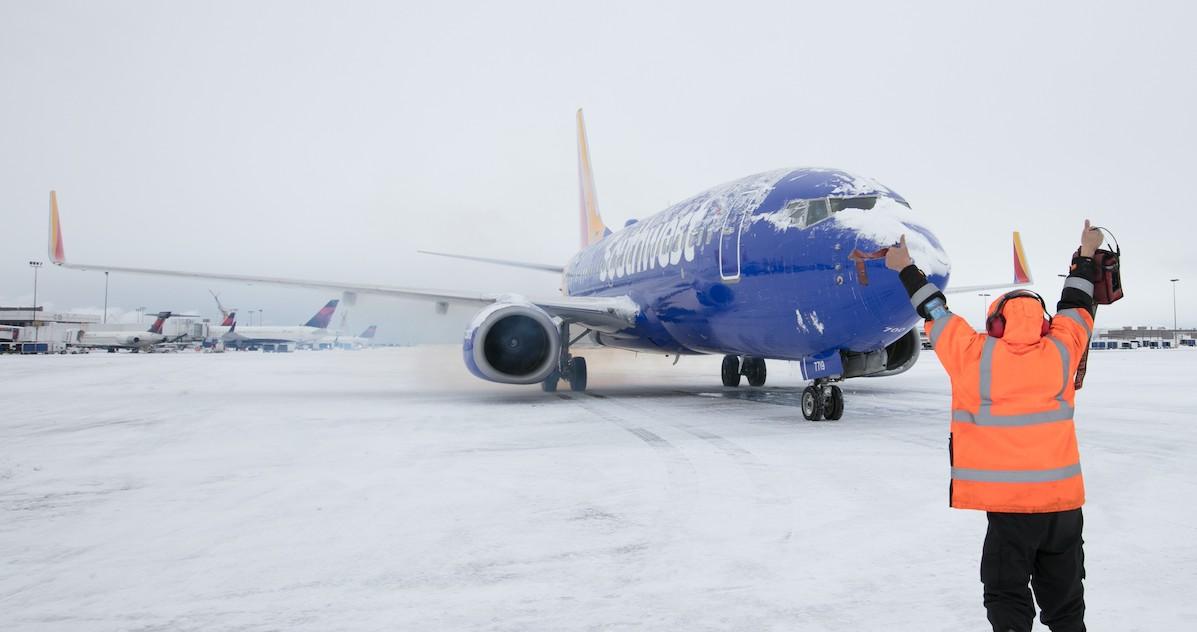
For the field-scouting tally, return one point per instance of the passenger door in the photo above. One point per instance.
(729, 244)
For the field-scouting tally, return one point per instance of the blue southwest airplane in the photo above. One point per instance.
(784, 265)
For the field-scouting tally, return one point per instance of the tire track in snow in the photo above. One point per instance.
(767, 496)
(682, 487)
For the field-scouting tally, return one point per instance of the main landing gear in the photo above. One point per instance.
(749, 367)
(822, 400)
(569, 368)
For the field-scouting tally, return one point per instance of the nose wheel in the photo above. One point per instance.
(822, 400)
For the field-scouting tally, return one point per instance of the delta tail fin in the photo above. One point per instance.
(369, 332)
(156, 328)
(324, 316)
(229, 319)
(593, 229)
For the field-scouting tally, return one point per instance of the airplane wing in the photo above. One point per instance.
(601, 313)
(501, 262)
(1022, 274)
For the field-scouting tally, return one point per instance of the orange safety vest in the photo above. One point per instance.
(1013, 445)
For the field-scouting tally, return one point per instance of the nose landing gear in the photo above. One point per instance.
(822, 400)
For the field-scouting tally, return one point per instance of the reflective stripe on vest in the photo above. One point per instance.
(937, 329)
(1078, 283)
(1074, 314)
(1016, 476)
(923, 293)
(985, 416)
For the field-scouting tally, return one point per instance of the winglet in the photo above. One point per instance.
(1022, 271)
(56, 253)
(593, 229)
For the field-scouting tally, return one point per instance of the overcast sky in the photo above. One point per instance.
(331, 140)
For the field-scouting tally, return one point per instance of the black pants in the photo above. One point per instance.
(1044, 550)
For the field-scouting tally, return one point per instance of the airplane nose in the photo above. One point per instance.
(879, 288)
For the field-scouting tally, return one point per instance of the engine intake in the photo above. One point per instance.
(512, 343)
(895, 358)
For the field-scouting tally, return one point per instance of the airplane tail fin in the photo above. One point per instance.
(1022, 272)
(156, 328)
(324, 316)
(55, 250)
(369, 332)
(229, 319)
(593, 229)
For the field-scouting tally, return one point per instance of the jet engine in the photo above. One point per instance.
(512, 342)
(897, 357)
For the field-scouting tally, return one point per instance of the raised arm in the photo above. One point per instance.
(954, 341)
(1073, 323)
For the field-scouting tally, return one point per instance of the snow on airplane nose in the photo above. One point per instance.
(877, 229)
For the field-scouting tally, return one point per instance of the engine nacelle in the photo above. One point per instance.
(512, 342)
(901, 354)
(895, 358)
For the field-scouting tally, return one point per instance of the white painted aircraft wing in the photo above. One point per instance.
(601, 313)
(604, 313)
(340, 286)
(1022, 273)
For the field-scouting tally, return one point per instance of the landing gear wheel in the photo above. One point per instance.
(549, 385)
(577, 374)
(812, 403)
(835, 404)
(754, 370)
(731, 370)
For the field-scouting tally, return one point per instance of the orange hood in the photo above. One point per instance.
(1024, 318)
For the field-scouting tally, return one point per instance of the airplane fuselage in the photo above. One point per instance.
(776, 265)
(267, 334)
(118, 339)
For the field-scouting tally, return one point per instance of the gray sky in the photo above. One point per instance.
(330, 140)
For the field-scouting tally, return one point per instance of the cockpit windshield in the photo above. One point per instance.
(804, 213)
(864, 203)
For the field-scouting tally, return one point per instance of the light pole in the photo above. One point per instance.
(1175, 336)
(105, 297)
(984, 306)
(36, 265)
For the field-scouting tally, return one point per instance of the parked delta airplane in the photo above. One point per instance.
(343, 341)
(307, 334)
(786, 264)
(133, 340)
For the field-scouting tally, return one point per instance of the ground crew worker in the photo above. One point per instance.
(1012, 447)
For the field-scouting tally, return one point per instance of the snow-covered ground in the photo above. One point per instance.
(388, 490)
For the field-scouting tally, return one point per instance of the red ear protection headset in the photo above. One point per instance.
(995, 325)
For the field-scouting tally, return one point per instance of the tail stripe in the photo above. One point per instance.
(57, 254)
(1022, 272)
(592, 227)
